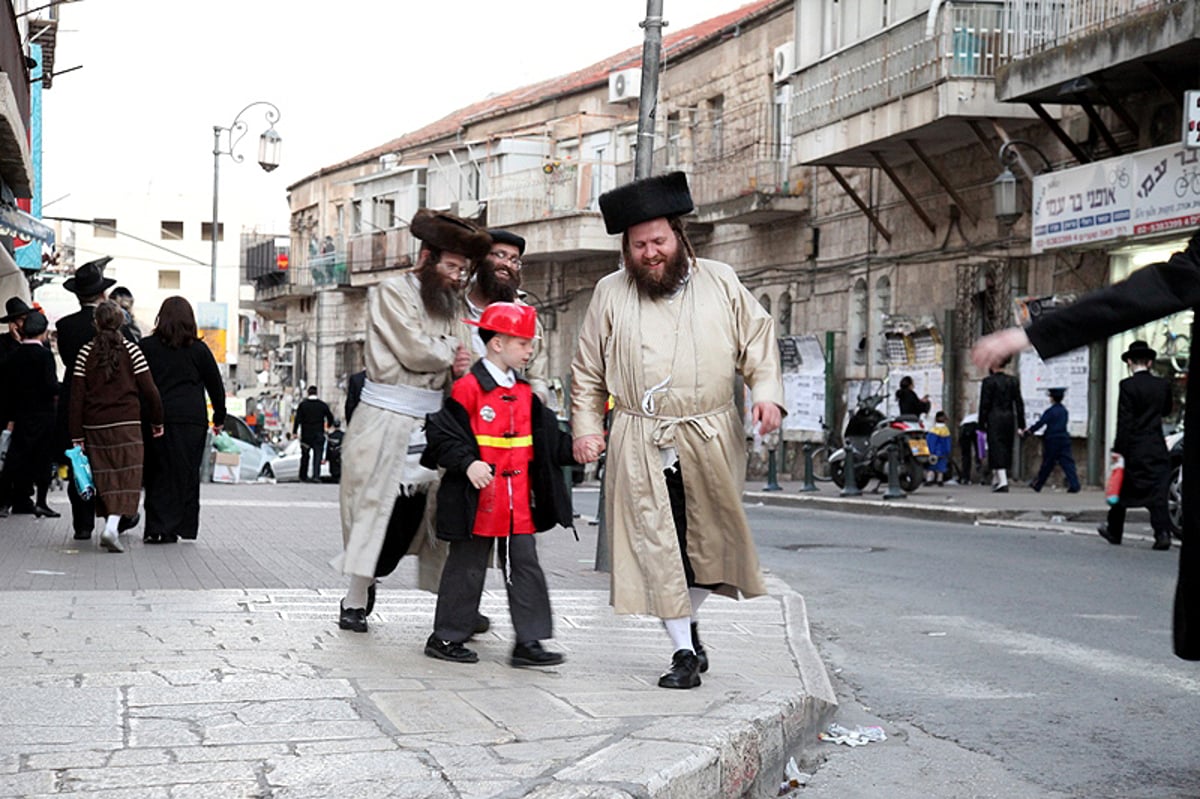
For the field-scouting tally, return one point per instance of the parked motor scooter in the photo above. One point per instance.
(871, 436)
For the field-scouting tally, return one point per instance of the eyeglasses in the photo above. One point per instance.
(456, 269)
(515, 260)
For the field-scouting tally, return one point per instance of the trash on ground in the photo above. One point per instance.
(793, 778)
(859, 736)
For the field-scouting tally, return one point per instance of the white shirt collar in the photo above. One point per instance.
(503, 377)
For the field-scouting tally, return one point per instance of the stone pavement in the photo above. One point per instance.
(216, 669)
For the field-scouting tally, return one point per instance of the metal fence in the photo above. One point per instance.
(1038, 25)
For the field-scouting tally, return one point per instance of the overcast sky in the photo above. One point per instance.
(159, 74)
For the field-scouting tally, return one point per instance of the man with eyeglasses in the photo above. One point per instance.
(496, 277)
(416, 346)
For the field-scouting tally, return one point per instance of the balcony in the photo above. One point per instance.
(1096, 51)
(375, 255)
(281, 286)
(555, 208)
(905, 86)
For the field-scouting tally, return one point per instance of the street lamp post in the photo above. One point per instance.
(268, 158)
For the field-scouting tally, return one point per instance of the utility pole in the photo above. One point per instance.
(648, 99)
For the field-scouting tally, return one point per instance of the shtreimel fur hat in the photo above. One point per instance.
(642, 200)
(450, 233)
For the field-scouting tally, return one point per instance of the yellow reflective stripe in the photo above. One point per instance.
(504, 443)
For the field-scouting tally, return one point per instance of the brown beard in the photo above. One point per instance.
(673, 273)
(495, 289)
(439, 294)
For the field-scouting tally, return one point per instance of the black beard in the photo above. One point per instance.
(439, 295)
(494, 289)
(673, 274)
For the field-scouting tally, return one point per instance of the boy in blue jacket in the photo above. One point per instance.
(1056, 443)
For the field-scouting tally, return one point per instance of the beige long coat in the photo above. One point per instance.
(691, 346)
(404, 346)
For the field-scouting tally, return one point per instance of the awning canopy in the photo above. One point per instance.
(15, 222)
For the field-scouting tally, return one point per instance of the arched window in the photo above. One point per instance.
(883, 295)
(857, 338)
(785, 314)
(765, 301)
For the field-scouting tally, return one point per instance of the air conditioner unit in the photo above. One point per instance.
(624, 85)
(389, 161)
(785, 61)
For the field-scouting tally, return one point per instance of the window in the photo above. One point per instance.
(341, 220)
(716, 109)
(385, 213)
(104, 228)
(171, 230)
(765, 302)
(168, 279)
(857, 337)
(674, 136)
(782, 144)
(206, 231)
(785, 314)
(883, 296)
(356, 219)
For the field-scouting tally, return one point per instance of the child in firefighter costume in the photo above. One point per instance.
(499, 447)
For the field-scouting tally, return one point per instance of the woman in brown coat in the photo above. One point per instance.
(110, 384)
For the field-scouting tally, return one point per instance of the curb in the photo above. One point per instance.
(879, 507)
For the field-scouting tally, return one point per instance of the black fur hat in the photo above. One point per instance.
(450, 233)
(642, 200)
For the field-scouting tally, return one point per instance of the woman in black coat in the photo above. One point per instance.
(183, 369)
(1001, 415)
(1150, 293)
(910, 404)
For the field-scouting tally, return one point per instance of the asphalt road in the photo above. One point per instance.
(1003, 662)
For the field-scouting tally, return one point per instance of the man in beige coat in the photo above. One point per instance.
(416, 346)
(666, 336)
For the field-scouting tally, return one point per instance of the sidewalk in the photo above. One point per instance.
(150, 674)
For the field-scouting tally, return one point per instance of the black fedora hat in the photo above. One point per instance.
(89, 279)
(1138, 351)
(14, 309)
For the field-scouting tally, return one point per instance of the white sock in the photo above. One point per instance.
(697, 595)
(356, 597)
(1001, 477)
(110, 526)
(680, 631)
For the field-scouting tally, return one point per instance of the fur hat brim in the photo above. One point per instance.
(642, 200)
(450, 233)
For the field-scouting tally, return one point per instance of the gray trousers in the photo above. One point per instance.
(462, 586)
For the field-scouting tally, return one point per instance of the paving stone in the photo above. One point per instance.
(252, 691)
(395, 766)
(27, 783)
(661, 769)
(431, 711)
(93, 779)
(312, 731)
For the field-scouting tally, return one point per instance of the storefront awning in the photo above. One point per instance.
(15, 222)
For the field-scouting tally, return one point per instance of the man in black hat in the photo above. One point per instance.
(15, 310)
(666, 337)
(416, 345)
(1142, 401)
(496, 277)
(90, 286)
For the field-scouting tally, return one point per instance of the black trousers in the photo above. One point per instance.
(172, 478)
(1160, 518)
(675, 491)
(83, 511)
(462, 586)
(311, 448)
(29, 461)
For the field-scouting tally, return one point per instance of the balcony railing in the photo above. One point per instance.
(382, 249)
(1038, 25)
(328, 269)
(967, 42)
(557, 189)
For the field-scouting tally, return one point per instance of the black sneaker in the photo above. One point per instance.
(532, 654)
(684, 673)
(352, 619)
(449, 650)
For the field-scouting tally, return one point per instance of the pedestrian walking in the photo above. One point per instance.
(1142, 401)
(503, 454)
(416, 345)
(184, 370)
(312, 414)
(124, 297)
(667, 336)
(1001, 415)
(1056, 443)
(109, 385)
(31, 389)
(1150, 293)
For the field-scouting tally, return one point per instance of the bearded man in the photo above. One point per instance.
(666, 337)
(415, 348)
(496, 277)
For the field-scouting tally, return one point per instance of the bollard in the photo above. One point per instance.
(809, 485)
(772, 478)
(850, 489)
(893, 490)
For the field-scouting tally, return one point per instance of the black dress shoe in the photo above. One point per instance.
(352, 619)
(1107, 536)
(532, 654)
(128, 522)
(22, 510)
(160, 538)
(83, 535)
(684, 673)
(44, 510)
(701, 654)
(370, 599)
(1162, 540)
(1000, 489)
(482, 624)
(449, 650)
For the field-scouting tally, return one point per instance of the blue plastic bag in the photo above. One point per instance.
(82, 471)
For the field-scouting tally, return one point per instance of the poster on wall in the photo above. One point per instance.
(803, 387)
(1069, 371)
(927, 380)
(211, 319)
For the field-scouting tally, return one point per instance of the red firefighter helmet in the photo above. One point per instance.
(508, 318)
